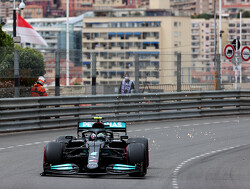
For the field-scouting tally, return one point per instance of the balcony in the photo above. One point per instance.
(195, 33)
(195, 52)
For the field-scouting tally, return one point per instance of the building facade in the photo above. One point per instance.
(204, 43)
(234, 31)
(117, 40)
(159, 4)
(32, 11)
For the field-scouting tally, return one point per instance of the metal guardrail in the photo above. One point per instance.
(19, 114)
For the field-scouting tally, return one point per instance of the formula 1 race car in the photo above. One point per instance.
(99, 148)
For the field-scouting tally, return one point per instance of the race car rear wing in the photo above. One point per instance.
(111, 126)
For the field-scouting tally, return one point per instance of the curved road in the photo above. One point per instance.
(184, 154)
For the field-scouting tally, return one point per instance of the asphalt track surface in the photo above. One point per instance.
(210, 153)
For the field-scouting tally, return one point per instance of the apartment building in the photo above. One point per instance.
(33, 11)
(234, 31)
(202, 34)
(107, 4)
(6, 9)
(51, 8)
(193, 7)
(117, 39)
(203, 44)
(183, 7)
(235, 2)
(159, 4)
(232, 7)
(203, 48)
(82, 6)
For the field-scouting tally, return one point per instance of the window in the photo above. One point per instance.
(114, 24)
(148, 24)
(122, 24)
(157, 24)
(176, 34)
(156, 35)
(131, 24)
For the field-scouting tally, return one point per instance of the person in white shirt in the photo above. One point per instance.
(127, 85)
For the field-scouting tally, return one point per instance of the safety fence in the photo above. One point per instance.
(152, 72)
(20, 114)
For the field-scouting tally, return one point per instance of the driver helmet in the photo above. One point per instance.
(92, 136)
(41, 80)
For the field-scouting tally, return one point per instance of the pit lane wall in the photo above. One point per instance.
(21, 114)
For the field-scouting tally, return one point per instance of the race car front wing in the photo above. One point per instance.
(73, 169)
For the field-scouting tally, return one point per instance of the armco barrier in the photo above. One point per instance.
(19, 114)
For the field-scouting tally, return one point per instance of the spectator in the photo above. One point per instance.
(127, 85)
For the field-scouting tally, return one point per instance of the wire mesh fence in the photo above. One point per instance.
(157, 72)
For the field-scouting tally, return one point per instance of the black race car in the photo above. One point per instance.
(99, 148)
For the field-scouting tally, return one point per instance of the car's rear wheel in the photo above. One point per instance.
(143, 141)
(53, 153)
(135, 155)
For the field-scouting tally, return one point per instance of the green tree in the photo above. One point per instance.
(204, 16)
(31, 65)
(245, 14)
(5, 39)
(6, 44)
(6, 47)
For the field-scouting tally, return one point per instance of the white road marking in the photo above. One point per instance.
(178, 168)
(147, 129)
(37, 142)
(23, 145)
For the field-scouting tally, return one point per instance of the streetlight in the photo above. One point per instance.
(21, 6)
(16, 54)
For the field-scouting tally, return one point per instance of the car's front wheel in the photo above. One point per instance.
(53, 153)
(142, 141)
(136, 154)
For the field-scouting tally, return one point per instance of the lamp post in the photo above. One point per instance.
(21, 6)
(14, 19)
(67, 46)
(16, 52)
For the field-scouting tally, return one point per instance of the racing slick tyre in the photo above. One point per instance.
(143, 141)
(53, 152)
(136, 154)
